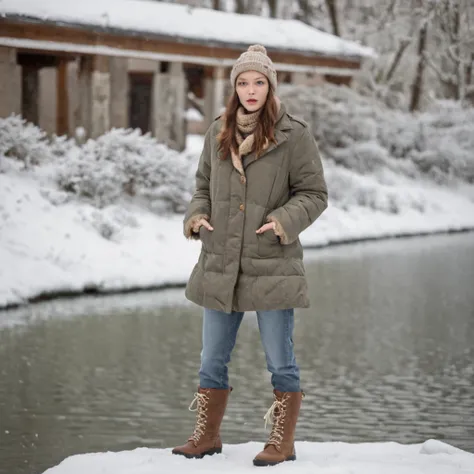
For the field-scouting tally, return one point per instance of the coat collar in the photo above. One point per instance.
(282, 128)
(283, 121)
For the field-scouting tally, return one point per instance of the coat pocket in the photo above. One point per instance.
(206, 238)
(269, 245)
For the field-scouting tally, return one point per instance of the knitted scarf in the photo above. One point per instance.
(246, 125)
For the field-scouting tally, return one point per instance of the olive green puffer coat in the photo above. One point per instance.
(239, 270)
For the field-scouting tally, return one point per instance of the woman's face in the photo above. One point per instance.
(252, 89)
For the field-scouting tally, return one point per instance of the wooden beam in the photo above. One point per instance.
(62, 101)
(156, 44)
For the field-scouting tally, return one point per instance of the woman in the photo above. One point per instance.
(259, 183)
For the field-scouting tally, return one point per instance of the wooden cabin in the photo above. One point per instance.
(98, 64)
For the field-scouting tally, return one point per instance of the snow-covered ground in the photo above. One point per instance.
(431, 457)
(49, 247)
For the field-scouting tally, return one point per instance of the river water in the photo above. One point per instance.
(386, 353)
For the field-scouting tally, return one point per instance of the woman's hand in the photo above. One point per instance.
(201, 222)
(265, 227)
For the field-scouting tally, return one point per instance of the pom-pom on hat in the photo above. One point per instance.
(255, 59)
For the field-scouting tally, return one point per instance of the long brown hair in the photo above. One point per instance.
(264, 131)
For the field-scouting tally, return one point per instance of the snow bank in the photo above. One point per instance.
(72, 247)
(431, 457)
(199, 24)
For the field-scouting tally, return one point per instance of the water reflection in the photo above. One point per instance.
(385, 353)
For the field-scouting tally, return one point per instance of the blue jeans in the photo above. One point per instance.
(219, 333)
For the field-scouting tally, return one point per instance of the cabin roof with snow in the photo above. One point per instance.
(171, 32)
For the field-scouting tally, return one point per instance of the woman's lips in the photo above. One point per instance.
(251, 101)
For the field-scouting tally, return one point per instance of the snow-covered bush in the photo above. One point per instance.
(103, 171)
(23, 141)
(125, 162)
(62, 146)
(363, 134)
(347, 189)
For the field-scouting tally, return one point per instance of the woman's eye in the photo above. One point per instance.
(242, 83)
(260, 83)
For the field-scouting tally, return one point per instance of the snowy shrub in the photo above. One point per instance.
(106, 227)
(348, 189)
(365, 135)
(56, 197)
(400, 133)
(117, 164)
(127, 162)
(326, 113)
(365, 157)
(109, 222)
(62, 146)
(23, 141)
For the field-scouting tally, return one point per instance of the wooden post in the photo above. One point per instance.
(161, 110)
(62, 99)
(119, 92)
(179, 93)
(85, 94)
(47, 100)
(169, 102)
(100, 96)
(73, 95)
(10, 82)
(214, 86)
(94, 95)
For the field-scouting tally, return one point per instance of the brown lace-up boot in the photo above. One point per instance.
(281, 444)
(210, 407)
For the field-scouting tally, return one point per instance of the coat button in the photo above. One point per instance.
(242, 179)
(241, 207)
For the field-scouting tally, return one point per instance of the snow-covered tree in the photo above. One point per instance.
(361, 134)
(452, 55)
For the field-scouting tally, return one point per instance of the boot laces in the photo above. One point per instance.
(201, 401)
(276, 415)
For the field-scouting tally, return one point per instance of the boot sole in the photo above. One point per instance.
(210, 452)
(262, 463)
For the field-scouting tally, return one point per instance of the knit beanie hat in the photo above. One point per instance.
(255, 59)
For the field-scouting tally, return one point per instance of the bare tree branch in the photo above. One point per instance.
(404, 43)
(418, 82)
(389, 13)
(304, 13)
(273, 6)
(448, 79)
(452, 54)
(239, 6)
(332, 9)
(469, 71)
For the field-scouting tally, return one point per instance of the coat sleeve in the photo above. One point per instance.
(200, 205)
(308, 191)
